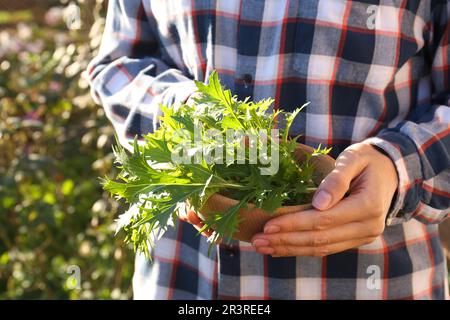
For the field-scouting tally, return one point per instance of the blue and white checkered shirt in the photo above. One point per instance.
(372, 70)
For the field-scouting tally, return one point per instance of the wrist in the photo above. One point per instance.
(385, 164)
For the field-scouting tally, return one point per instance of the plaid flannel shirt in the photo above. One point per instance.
(374, 73)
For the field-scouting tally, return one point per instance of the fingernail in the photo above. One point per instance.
(261, 243)
(271, 229)
(321, 200)
(265, 250)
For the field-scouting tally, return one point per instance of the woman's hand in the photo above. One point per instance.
(192, 218)
(337, 223)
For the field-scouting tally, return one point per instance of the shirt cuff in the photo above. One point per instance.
(403, 152)
(178, 93)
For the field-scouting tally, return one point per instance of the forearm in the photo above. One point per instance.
(129, 77)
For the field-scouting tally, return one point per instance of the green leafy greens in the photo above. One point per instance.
(157, 186)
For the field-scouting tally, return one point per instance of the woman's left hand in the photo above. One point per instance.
(337, 223)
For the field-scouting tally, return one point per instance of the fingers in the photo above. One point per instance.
(333, 188)
(339, 223)
(320, 251)
(350, 209)
(206, 233)
(354, 230)
(192, 218)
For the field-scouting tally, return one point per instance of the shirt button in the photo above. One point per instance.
(247, 79)
(230, 249)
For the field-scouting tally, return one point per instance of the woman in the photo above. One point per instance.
(377, 77)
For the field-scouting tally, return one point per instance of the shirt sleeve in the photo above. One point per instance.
(420, 146)
(129, 76)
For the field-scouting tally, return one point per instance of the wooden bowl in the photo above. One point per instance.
(254, 219)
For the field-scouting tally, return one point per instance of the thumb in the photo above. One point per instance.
(336, 184)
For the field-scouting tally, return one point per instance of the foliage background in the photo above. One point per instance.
(54, 144)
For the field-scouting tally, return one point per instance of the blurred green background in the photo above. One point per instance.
(54, 144)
